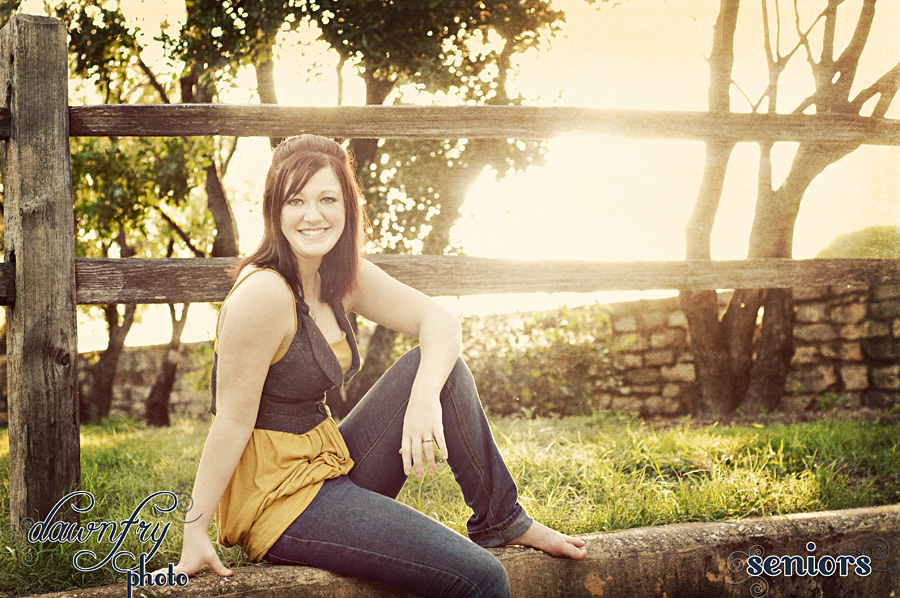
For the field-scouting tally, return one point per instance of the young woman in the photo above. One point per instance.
(289, 485)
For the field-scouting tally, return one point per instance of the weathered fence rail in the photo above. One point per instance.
(432, 122)
(160, 280)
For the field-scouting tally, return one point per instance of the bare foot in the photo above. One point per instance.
(552, 542)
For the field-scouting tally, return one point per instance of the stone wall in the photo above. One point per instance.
(846, 340)
(653, 355)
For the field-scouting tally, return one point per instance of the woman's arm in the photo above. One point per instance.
(253, 323)
(388, 302)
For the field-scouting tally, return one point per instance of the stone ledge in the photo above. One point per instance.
(689, 559)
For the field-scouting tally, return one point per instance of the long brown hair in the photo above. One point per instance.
(294, 162)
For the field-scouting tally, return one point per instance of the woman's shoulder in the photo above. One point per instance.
(260, 301)
(261, 286)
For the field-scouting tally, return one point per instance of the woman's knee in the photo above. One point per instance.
(460, 375)
(489, 577)
(461, 384)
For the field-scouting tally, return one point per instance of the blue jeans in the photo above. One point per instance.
(354, 526)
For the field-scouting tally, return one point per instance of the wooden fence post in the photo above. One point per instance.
(39, 240)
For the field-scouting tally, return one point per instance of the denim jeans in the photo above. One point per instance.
(354, 526)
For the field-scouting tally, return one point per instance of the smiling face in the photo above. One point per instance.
(312, 220)
(312, 216)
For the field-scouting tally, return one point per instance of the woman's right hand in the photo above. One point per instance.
(198, 552)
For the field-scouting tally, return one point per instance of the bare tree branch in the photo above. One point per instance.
(830, 14)
(178, 231)
(265, 84)
(885, 87)
(774, 64)
(848, 63)
(339, 71)
(803, 38)
(777, 29)
(721, 59)
(226, 160)
(834, 78)
(804, 42)
(153, 81)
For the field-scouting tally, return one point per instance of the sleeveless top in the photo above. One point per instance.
(295, 445)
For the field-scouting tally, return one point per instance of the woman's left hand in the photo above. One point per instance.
(422, 430)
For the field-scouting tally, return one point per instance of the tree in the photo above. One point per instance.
(459, 47)
(129, 192)
(121, 188)
(737, 364)
(414, 189)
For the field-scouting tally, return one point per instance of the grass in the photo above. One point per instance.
(577, 474)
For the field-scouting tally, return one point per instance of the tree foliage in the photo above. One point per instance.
(411, 51)
(133, 196)
(414, 190)
(872, 242)
(220, 37)
(7, 9)
(120, 183)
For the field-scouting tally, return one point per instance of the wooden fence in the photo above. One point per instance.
(41, 281)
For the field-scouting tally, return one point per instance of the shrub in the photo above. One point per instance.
(536, 364)
(555, 362)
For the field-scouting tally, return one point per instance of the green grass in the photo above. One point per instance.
(577, 474)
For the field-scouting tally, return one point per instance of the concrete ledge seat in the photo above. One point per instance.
(690, 559)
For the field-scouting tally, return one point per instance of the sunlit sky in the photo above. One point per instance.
(600, 198)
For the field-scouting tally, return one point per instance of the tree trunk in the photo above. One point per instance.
(226, 241)
(364, 151)
(157, 403)
(199, 90)
(378, 354)
(716, 390)
(776, 348)
(96, 406)
(378, 350)
(103, 374)
(716, 394)
(455, 186)
(714, 371)
(265, 85)
(739, 325)
(763, 385)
